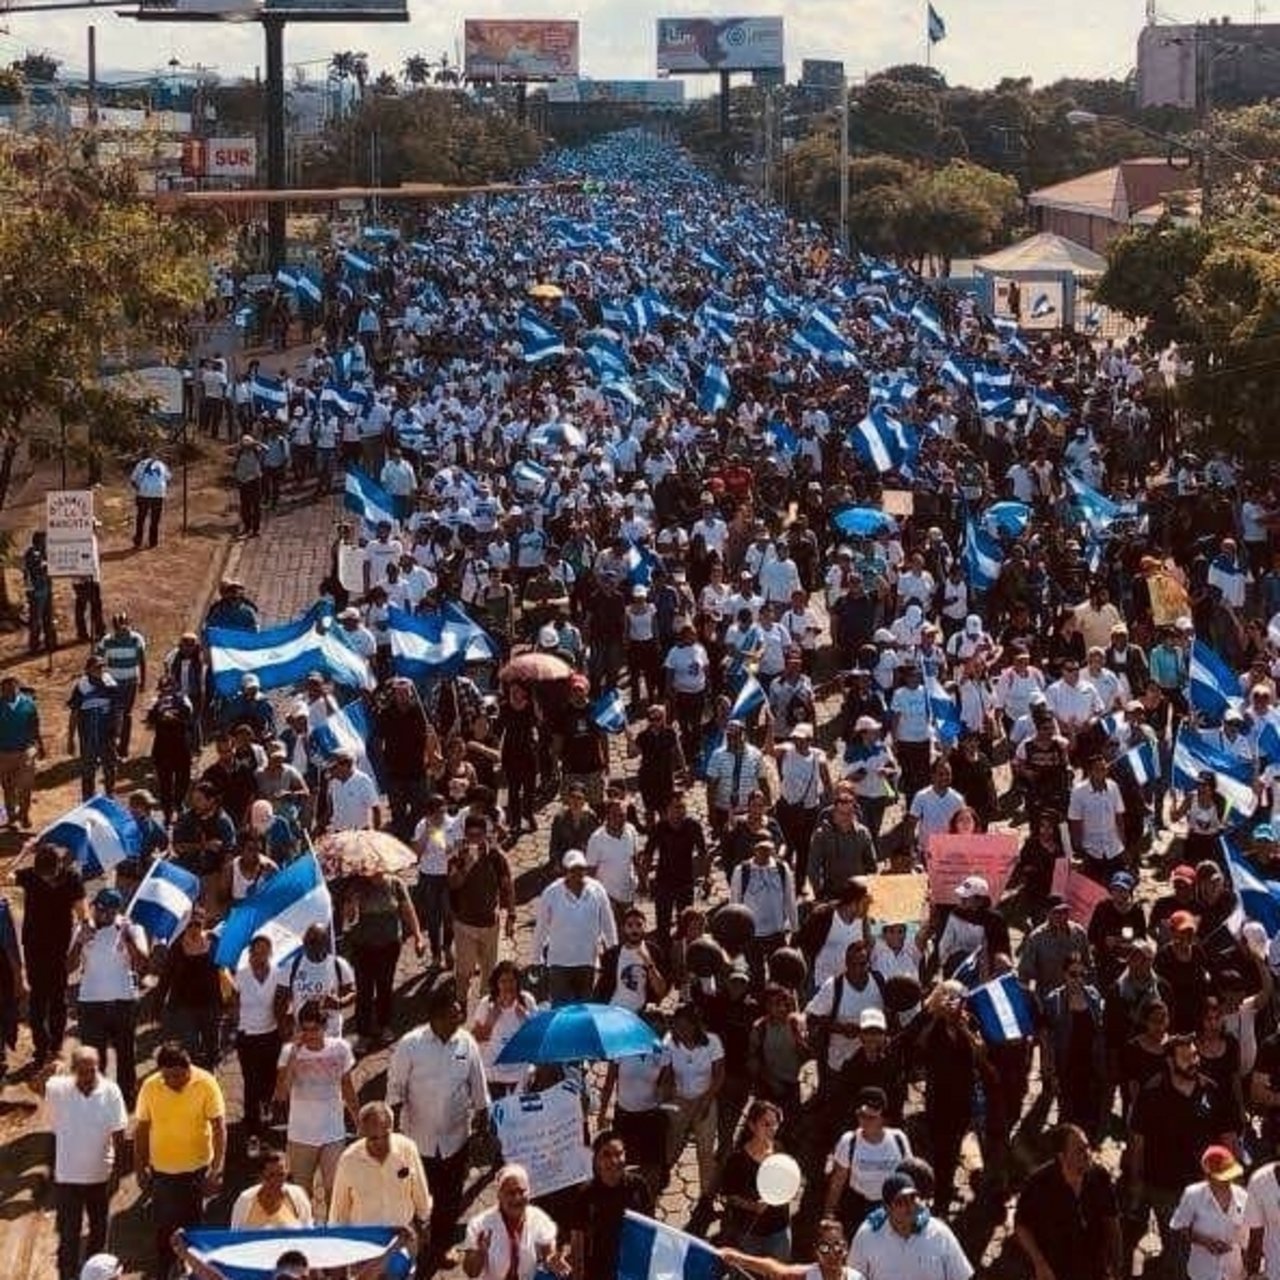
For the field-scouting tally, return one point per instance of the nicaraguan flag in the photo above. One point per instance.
(346, 730)
(538, 339)
(252, 1254)
(529, 478)
(1002, 1010)
(1143, 762)
(649, 1250)
(284, 909)
(431, 646)
(943, 712)
(937, 28)
(1259, 898)
(781, 438)
(309, 289)
(714, 392)
(954, 371)
(609, 713)
(340, 662)
(1214, 686)
(614, 314)
(982, 557)
(357, 262)
(1007, 519)
(268, 393)
(927, 321)
(641, 562)
(98, 834)
(877, 440)
(1053, 406)
(713, 262)
(161, 904)
(286, 279)
(1042, 307)
(748, 700)
(352, 400)
(368, 499)
(1098, 512)
(1233, 777)
(969, 971)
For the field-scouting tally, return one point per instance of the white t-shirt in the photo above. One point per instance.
(688, 665)
(352, 800)
(315, 1094)
(852, 1002)
(317, 980)
(830, 959)
(378, 555)
(257, 1001)
(869, 1163)
(434, 843)
(106, 969)
(1262, 1213)
(934, 812)
(612, 860)
(632, 985)
(692, 1066)
(638, 1080)
(1096, 811)
(1199, 1213)
(82, 1127)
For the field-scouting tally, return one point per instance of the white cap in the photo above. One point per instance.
(248, 681)
(102, 1266)
(872, 1018)
(866, 724)
(973, 625)
(573, 859)
(640, 592)
(548, 637)
(973, 887)
(802, 731)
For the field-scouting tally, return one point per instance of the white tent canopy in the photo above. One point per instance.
(1044, 254)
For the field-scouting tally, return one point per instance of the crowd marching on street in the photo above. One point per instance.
(892, 693)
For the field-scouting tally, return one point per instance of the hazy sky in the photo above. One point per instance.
(986, 39)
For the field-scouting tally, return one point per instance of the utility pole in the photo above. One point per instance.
(273, 30)
(92, 90)
(844, 165)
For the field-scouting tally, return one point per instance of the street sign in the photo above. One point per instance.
(69, 527)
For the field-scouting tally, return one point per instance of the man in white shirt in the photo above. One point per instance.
(1073, 700)
(906, 1244)
(574, 922)
(611, 856)
(1095, 815)
(150, 481)
(87, 1114)
(766, 885)
(436, 1086)
(932, 809)
(382, 551)
(112, 951)
(353, 796)
(841, 1004)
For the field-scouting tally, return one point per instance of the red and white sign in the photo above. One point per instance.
(220, 157)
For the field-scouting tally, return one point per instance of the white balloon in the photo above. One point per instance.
(778, 1180)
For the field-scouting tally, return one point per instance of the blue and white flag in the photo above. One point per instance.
(339, 661)
(368, 499)
(309, 289)
(1259, 898)
(98, 834)
(435, 645)
(283, 909)
(713, 262)
(927, 321)
(937, 28)
(1233, 777)
(528, 478)
(1098, 512)
(1007, 519)
(609, 713)
(968, 973)
(1214, 687)
(268, 393)
(748, 700)
(713, 395)
(1143, 763)
(357, 262)
(252, 1254)
(1042, 307)
(641, 562)
(877, 440)
(1002, 1010)
(286, 279)
(944, 715)
(162, 902)
(538, 340)
(347, 729)
(351, 400)
(649, 1250)
(982, 557)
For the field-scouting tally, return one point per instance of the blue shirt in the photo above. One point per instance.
(19, 723)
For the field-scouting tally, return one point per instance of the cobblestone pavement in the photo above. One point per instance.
(281, 571)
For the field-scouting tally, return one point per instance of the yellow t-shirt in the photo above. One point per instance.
(181, 1136)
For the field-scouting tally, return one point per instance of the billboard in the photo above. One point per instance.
(510, 49)
(290, 10)
(821, 73)
(641, 93)
(220, 157)
(719, 44)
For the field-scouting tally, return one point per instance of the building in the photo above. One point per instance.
(1221, 64)
(1093, 209)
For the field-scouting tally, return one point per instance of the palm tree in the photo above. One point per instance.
(416, 71)
(385, 85)
(360, 71)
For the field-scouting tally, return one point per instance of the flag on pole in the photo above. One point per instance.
(1214, 686)
(98, 834)
(609, 713)
(368, 499)
(1232, 777)
(283, 909)
(982, 557)
(1259, 898)
(748, 700)
(937, 28)
(714, 392)
(649, 1250)
(1002, 1010)
(161, 904)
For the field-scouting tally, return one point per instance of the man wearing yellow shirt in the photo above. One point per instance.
(379, 1181)
(180, 1146)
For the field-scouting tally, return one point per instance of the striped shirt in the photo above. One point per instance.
(734, 777)
(123, 652)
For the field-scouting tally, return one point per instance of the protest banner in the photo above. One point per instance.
(990, 854)
(897, 502)
(543, 1132)
(898, 899)
(1083, 895)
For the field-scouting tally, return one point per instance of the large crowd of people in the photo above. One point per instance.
(789, 568)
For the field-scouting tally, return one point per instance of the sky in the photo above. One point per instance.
(986, 39)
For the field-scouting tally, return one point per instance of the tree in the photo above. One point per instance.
(86, 265)
(386, 85)
(416, 71)
(346, 65)
(38, 68)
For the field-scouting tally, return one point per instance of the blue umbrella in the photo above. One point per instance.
(1007, 519)
(577, 1032)
(863, 522)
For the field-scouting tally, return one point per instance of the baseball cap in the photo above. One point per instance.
(573, 860)
(1220, 1164)
(102, 1266)
(802, 731)
(973, 625)
(1122, 880)
(1184, 873)
(872, 1019)
(250, 681)
(973, 887)
(895, 1185)
(108, 898)
(1180, 921)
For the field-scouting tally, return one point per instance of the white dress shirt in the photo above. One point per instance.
(573, 929)
(438, 1084)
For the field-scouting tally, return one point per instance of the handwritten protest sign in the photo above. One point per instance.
(1081, 891)
(991, 855)
(543, 1132)
(898, 899)
(898, 502)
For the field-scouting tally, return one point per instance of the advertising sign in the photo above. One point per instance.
(68, 522)
(510, 49)
(220, 158)
(291, 10)
(821, 73)
(719, 44)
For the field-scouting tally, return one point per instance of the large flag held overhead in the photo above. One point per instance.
(283, 909)
(609, 712)
(252, 1254)
(1214, 686)
(714, 392)
(162, 902)
(435, 645)
(538, 339)
(1233, 777)
(649, 1250)
(1259, 898)
(346, 730)
(982, 557)
(98, 834)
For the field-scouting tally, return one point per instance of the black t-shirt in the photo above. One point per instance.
(1069, 1229)
(598, 1212)
(46, 912)
(1176, 1128)
(739, 1179)
(1189, 984)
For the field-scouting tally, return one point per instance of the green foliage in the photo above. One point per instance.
(37, 68)
(86, 266)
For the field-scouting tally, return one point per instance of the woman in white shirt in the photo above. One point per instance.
(498, 1016)
(774, 643)
(1212, 1214)
(514, 1239)
(863, 1158)
(636, 1084)
(697, 1074)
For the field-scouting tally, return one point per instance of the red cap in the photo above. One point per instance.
(1184, 873)
(1181, 920)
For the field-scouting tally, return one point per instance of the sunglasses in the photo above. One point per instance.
(828, 1247)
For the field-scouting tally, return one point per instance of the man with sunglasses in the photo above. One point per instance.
(829, 1252)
